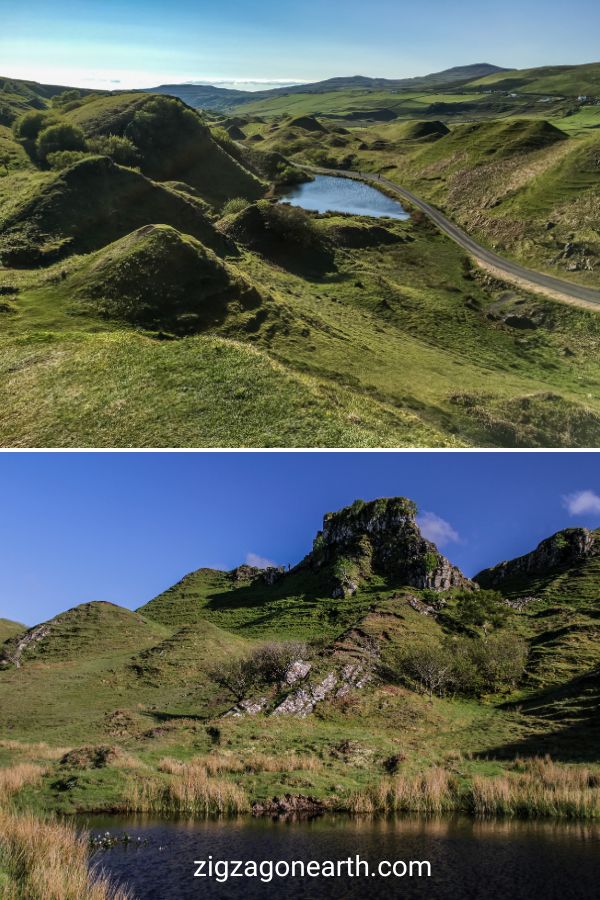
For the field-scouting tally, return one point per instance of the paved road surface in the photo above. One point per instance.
(528, 277)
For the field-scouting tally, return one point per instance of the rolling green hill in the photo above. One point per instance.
(341, 645)
(8, 629)
(231, 320)
(565, 80)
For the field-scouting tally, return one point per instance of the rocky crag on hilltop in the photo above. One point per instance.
(382, 538)
(562, 550)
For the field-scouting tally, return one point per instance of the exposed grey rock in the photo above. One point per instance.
(245, 573)
(296, 671)
(563, 549)
(425, 609)
(521, 602)
(246, 708)
(380, 537)
(303, 701)
(12, 654)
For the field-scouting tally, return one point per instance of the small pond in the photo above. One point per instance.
(470, 859)
(329, 193)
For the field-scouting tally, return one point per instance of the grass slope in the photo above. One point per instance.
(90, 204)
(9, 629)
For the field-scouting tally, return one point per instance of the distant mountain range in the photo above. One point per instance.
(218, 98)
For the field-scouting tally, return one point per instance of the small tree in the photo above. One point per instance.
(238, 676)
(265, 665)
(5, 161)
(500, 659)
(272, 660)
(55, 138)
(429, 666)
(483, 609)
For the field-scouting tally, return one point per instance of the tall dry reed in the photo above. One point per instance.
(48, 859)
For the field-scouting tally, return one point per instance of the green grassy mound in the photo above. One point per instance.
(9, 629)
(90, 204)
(358, 232)
(173, 143)
(306, 123)
(281, 233)
(161, 279)
(96, 627)
(497, 139)
(129, 390)
(415, 131)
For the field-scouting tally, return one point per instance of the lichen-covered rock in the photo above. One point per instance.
(381, 537)
(301, 703)
(563, 549)
(296, 671)
(246, 708)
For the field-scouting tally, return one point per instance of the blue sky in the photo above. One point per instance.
(129, 43)
(124, 526)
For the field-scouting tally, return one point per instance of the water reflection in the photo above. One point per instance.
(328, 193)
(469, 858)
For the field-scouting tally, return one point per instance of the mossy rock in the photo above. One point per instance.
(160, 279)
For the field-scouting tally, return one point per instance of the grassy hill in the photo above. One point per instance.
(117, 705)
(565, 80)
(8, 629)
(230, 320)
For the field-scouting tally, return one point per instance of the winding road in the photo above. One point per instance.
(565, 291)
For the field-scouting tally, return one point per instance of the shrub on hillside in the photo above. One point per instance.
(57, 138)
(69, 96)
(159, 123)
(235, 205)
(28, 126)
(482, 609)
(265, 665)
(62, 159)
(470, 666)
(290, 224)
(120, 149)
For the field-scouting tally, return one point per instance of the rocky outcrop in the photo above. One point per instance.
(381, 537)
(564, 549)
(246, 708)
(245, 574)
(301, 703)
(296, 671)
(13, 652)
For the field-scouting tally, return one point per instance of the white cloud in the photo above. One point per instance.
(259, 562)
(582, 503)
(436, 529)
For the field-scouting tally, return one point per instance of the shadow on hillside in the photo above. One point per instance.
(575, 710)
(171, 716)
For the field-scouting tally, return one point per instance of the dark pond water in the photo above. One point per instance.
(327, 193)
(469, 859)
